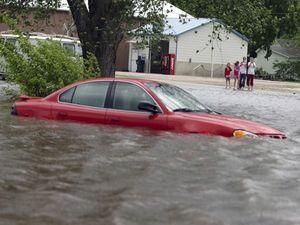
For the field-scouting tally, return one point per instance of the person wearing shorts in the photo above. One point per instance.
(251, 74)
(227, 72)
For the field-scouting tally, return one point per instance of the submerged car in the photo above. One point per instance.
(137, 103)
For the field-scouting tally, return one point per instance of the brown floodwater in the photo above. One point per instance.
(70, 173)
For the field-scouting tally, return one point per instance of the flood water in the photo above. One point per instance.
(69, 173)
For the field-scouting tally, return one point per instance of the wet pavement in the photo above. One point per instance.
(70, 173)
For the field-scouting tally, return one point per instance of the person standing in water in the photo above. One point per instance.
(251, 74)
(243, 72)
(236, 73)
(227, 72)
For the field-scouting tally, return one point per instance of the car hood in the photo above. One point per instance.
(233, 123)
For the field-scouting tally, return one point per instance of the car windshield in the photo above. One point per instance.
(176, 99)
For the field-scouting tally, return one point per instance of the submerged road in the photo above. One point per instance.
(258, 84)
(70, 173)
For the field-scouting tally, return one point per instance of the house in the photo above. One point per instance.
(202, 47)
(282, 50)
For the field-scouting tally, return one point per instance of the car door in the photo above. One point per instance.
(84, 102)
(124, 108)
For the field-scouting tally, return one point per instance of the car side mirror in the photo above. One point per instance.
(146, 106)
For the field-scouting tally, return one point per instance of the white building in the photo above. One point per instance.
(201, 47)
(282, 51)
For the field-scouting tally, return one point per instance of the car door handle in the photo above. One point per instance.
(115, 120)
(63, 114)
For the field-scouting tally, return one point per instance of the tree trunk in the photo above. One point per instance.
(106, 57)
(96, 35)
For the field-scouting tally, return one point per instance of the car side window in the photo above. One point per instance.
(90, 94)
(128, 96)
(67, 95)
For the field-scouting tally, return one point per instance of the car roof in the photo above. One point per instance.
(133, 80)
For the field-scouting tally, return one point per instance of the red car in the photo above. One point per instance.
(137, 103)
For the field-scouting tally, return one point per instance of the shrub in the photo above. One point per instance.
(262, 74)
(289, 70)
(43, 68)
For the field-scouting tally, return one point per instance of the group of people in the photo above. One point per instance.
(243, 73)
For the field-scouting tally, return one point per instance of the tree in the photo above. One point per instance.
(39, 69)
(101, 24)
(261, 21)
(288, 70)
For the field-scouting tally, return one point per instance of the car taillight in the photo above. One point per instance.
(14, 109)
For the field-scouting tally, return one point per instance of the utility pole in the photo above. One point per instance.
(212, 51)
(211, 62)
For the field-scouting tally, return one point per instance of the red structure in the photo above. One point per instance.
(168, 64)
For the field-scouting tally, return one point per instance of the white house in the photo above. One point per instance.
(201, 47)
(282, 51)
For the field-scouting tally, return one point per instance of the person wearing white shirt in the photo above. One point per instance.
(251, 74)
(243, 72)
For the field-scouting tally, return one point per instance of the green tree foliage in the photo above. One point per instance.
(289, 70)
(287, 14)
(261, 21)
(297, 36)
(28, 11)
(43, 68)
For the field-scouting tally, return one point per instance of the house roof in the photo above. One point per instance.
(285, 48)
(169, 10)
(291, 53)
(176, 27)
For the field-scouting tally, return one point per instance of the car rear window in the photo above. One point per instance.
(67, 95)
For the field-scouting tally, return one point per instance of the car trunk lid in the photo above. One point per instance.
(25, 98)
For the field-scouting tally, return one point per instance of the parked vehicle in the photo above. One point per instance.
(71, 44)
(137, 103)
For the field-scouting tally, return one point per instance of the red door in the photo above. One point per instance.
(136, 119)
(84, 102)
(61, 111)
(124, 109)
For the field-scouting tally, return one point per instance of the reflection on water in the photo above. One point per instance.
(69, 173)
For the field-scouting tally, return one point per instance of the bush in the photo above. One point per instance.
(262, 74)
(289, 70)
(43, 68)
